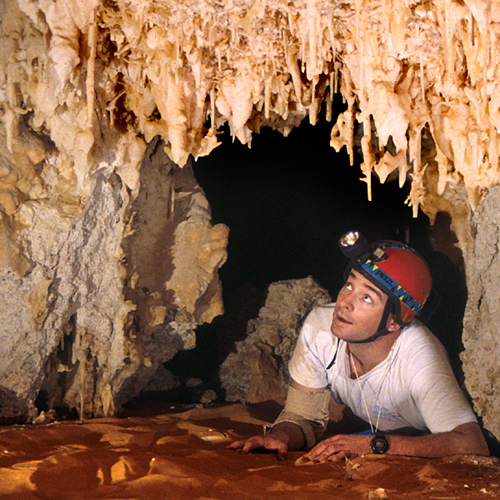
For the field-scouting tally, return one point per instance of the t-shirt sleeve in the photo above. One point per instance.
(307, 364)
(436, 392)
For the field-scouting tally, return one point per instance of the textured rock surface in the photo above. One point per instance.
(257, 371)
(90, 75)
(104, 303)
(482, 315)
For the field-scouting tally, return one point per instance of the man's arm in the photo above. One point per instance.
(288, 435)
(466, 439)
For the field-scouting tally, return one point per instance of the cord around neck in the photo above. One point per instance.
(374, 428)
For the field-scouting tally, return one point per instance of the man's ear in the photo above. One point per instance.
(392, 324)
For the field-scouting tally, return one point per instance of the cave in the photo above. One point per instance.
(166, 166)
(287, 201)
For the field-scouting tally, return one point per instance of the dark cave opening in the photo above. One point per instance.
(287, 200)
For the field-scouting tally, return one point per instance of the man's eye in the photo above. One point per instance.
(348, 286)
(367, 298)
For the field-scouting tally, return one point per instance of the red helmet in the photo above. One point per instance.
(395, 268)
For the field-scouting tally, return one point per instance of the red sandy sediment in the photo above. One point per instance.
(181, 453)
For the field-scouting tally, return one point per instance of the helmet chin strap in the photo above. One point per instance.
(382, 328)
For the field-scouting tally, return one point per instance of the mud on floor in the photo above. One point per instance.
(180, 452)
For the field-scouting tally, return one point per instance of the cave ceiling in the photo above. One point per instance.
(87, 81)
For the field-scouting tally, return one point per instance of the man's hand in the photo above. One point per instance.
(285, 436)
(268, 442)
(340, 447)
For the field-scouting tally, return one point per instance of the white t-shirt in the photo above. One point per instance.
(413, 387)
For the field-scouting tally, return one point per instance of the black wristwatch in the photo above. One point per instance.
(379, 444)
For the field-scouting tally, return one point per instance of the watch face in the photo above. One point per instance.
(379, 445)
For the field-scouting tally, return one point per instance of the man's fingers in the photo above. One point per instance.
(249, 446)
(317, 452)
(331, 453)
(261, 442)
(330, 449)
(337, 456)
(236, 444)
(326, 454)
(245, 445)
(339, 447)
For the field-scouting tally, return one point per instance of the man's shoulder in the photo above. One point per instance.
(320, 317)
(417, 338)
(417, 331)
(317, 325)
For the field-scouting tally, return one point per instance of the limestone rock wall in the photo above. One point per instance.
(482, 315)
(108, 257)
(110, 293)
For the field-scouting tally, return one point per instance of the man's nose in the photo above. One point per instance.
(346, 301)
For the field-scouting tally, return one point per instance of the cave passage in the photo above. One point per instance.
(287, 200)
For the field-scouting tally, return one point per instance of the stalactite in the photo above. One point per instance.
(89, 84)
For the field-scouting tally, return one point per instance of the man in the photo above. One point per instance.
(371, 354)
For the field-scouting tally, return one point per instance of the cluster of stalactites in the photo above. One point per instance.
(426, 68)
(180, 70)
(190, 67)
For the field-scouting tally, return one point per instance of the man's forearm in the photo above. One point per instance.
(291, 434)
(466, 439)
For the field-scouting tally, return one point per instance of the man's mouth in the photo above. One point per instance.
(341, 319)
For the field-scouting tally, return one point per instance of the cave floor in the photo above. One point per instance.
(165, 452)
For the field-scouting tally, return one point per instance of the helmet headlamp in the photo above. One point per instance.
(353, 245)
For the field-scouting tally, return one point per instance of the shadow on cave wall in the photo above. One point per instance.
(286, 202)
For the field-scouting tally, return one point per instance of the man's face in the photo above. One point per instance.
(359, 310)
